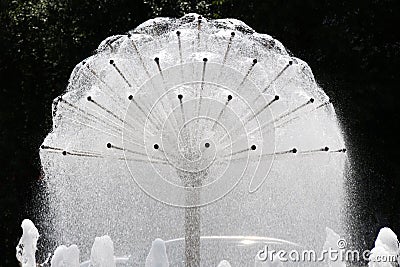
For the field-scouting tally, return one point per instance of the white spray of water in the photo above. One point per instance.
(191, 98)
(331, 243)
(382, 255)
(158, 255)
(65, 256)
(386, 251)
(224, 263)
(27, 245)
(102, 253)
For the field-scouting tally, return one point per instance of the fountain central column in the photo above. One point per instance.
(192, 217)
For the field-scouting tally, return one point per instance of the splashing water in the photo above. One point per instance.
(65, 257)
(102, 254)
(224, 263)
(158, 255)
(331, 242)
(27, 245)
(191, 128)
(385, 253)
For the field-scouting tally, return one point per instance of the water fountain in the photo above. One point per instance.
(27, 245)
(201, 132)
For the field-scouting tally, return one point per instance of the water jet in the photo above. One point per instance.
(185, 129)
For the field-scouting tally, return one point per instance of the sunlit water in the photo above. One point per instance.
(191, 128)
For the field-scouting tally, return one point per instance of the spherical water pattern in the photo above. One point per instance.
(192, 127)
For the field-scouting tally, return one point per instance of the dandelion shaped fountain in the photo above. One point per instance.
(200, 132)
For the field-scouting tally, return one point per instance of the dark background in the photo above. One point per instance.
(352, 46)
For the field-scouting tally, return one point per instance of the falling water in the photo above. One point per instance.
(201, 132)
(27, 245)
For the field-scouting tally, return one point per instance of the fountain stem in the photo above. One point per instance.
(192, 237)
(192, 218)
